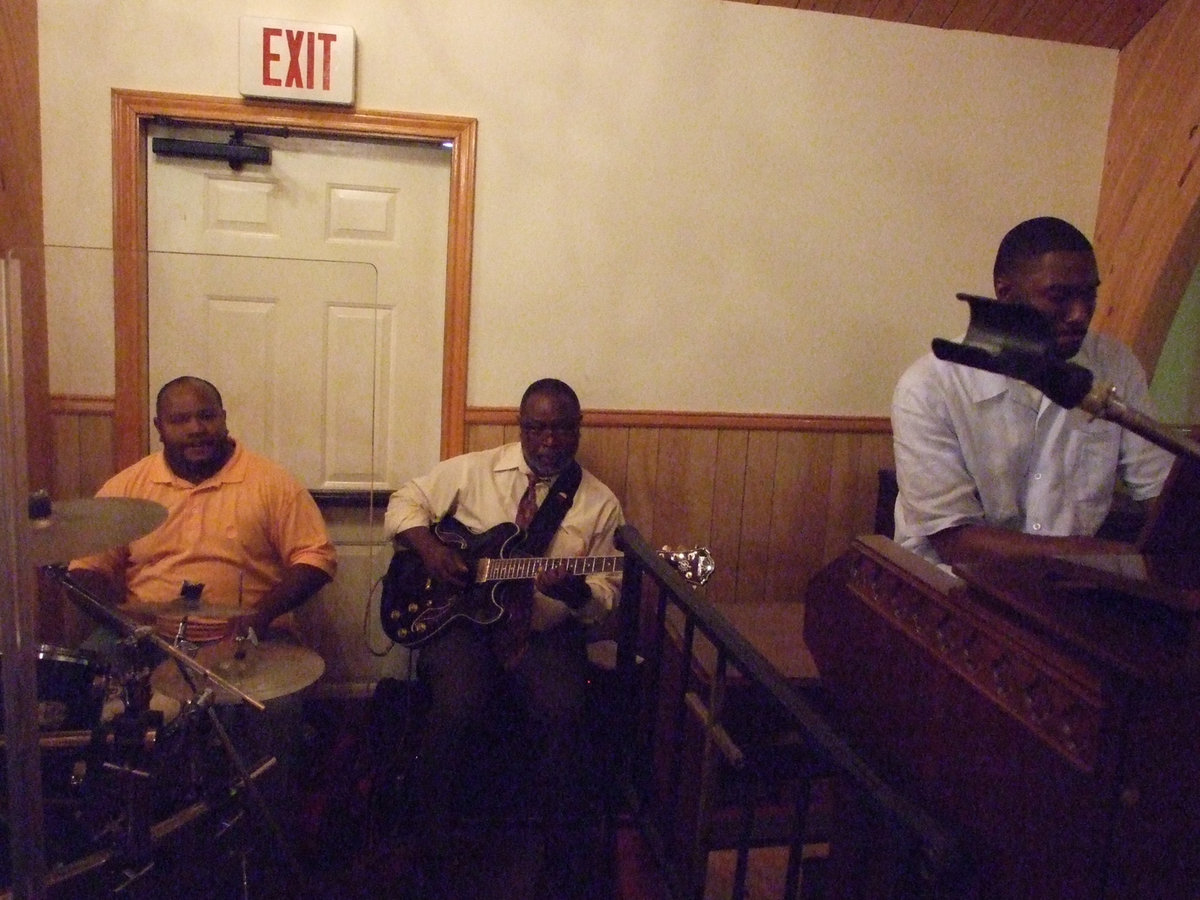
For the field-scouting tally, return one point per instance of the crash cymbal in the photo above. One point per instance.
(268, 670)
(77, 528)
(177, 607)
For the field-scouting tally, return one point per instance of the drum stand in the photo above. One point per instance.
(132, 727)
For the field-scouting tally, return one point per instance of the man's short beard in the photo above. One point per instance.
(198, 472)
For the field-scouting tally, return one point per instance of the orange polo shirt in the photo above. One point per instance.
(235, 533)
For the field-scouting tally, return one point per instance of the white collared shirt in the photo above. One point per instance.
(482, 490)
(974, 447)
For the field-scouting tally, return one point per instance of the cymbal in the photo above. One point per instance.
(177, 607)
(268, 670)
(77, 528)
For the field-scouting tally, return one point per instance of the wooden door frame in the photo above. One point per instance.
(133, 112)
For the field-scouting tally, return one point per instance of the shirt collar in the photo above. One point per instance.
(983, 385)
(511, 457)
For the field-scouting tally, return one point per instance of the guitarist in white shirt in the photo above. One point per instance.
(519, 682)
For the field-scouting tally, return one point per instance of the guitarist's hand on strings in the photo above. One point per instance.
(441, 561)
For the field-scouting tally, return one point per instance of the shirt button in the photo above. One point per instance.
(1037, 526)
(1037, 477)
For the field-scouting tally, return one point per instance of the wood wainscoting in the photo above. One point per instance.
(773, 497)
(83, 445)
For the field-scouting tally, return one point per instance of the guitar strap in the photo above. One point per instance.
(550, 514)
(511, 638)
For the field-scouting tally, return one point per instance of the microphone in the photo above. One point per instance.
(1016, 340)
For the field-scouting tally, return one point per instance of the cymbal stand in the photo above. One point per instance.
(195, 674)
(135, 850)
(205, 701)
(100, 611)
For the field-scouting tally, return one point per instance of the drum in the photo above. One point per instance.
(70, 690)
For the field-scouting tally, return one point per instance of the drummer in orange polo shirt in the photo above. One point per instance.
(237, 523)
(244, 529)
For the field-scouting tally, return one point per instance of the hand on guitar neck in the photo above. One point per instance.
(456, 574)
(445, 562)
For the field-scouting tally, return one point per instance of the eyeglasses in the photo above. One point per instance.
(543, 429)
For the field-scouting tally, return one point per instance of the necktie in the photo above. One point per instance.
(527, 508)
(510, 639)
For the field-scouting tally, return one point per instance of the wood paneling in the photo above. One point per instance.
(1097, 23)
(21, 221)
(772, 504)
(82, 435)
(1148, 224)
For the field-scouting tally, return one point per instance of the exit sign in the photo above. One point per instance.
(296, 61)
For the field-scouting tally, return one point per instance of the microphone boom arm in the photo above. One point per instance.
(1015, 340)
(1104, 402)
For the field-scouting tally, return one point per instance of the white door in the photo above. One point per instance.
(312, 293)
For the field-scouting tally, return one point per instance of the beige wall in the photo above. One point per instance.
(711, 206)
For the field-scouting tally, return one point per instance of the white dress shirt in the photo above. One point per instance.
(974, 447)
(482, 489)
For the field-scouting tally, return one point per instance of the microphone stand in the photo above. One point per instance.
(1104, 402)
(1015, 340)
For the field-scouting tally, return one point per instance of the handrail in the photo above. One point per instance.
(939, 852)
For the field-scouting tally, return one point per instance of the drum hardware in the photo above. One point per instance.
(52, 533)
(91, 863)
(122, 748)
(206, 701)
(70, 689)
(183, 607)
(135, 847)
(181, 641)
(140, 635)
(131, 728)
(80, 740)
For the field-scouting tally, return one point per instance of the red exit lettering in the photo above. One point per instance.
(303, 52)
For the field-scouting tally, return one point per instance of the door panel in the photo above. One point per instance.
(368, 204)
(296, 349)
(312, 293)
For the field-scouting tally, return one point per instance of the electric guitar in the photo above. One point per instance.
(414, 606)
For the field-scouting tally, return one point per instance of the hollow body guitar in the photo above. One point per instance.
(414, 606)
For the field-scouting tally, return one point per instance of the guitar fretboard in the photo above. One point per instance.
(530, 567)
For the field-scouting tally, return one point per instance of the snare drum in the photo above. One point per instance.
(70, 690)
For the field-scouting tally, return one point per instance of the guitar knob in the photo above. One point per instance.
(394, 615)
(413, 608)
(419, 627)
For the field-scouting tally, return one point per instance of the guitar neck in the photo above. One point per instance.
(530, 567)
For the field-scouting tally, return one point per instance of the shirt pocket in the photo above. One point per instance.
(1092, 472)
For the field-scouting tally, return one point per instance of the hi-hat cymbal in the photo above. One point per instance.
(268, 670)
(178, 607)
(77, 528)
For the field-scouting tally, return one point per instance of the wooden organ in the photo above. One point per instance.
(1052, 717)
